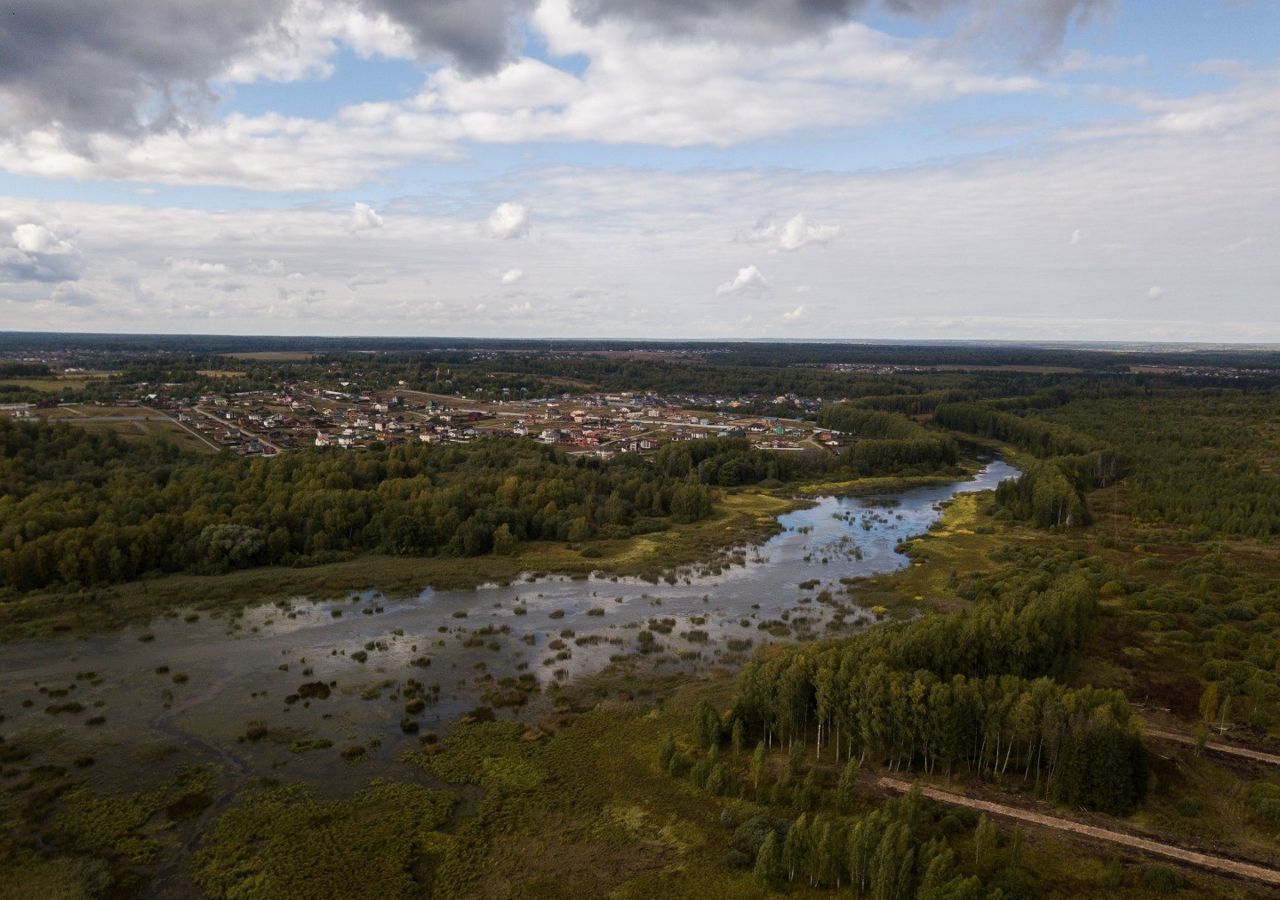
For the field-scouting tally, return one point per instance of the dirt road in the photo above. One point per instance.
(1219, 864)
(1214, 747)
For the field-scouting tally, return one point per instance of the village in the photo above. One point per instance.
(297, 415)
(601, 425)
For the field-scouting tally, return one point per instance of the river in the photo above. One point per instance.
(185, 689)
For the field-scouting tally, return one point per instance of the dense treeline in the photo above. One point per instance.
(915, 404)
(967, 690)
(1201, 459)
(733, 461)
(10, 369)
(1041, 439)
(854, 421)
(886, 442)
(1043, 495)
(891, 457)
(697, 376)
(899, 850)
(84, 508)
(1067, 464)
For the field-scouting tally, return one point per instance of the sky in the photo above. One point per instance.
(780, 169)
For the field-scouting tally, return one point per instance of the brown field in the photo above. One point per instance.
(1034, 370)
(274, 355)
(54, 384)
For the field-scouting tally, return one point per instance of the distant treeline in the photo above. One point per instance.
(83, 508)
(24, 370)
(749, 353)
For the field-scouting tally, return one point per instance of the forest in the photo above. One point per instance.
(1027, 652)
(979, 689)
(86, 509)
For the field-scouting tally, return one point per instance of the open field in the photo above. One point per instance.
(130, 422)
(148, 427)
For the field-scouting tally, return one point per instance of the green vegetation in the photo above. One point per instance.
(286, 843)
(965, 690)
(87, 509)
(1131, 571)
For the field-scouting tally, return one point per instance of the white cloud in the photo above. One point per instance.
(304, 41)
(794, 315)
(363, 218)
(509, 220)
(1155, 292)
(1251, 99)
(31, 252)
(748, 280)
(30, 237)
(635, 87)
(794, 233)
(197, 267)
(511, 276)
(965, 249)
(1077, 236)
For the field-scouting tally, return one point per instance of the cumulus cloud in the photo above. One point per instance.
(1032, 27)
(794, 233)
(30, 237)
(511, 276)
(118, 65)
(509, 220)
(1155, 292)
(125, 89)
(1077, 236)
(478, 35)
(197, 267)
(633, 88)
(30, 251)
(993, 227)
(303, 41)
(363, 218)
(132, 65)
(794, 315)
(749, 280)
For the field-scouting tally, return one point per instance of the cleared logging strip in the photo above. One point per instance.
(1155, 848)
(1214, 747)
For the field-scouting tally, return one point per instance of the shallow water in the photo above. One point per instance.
(245, 669)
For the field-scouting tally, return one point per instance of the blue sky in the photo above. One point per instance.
(1008, 169)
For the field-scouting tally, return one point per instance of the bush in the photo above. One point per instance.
(1164, 880)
